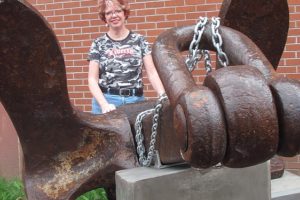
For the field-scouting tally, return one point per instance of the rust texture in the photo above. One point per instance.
(287, 96)
(242, 116)
(265, 22)
(205, 127)
(64, 152)
(279, 120)
(250, 114)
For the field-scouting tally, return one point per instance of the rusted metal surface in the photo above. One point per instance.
(64, 154)
(172, 42)
(67, 152)
(204, 133)
(265, 22)
(287, 97)
(166, 143)
(190, 116)
(250, 114)
(179, 83)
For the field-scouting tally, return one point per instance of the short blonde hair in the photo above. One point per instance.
(122, 3)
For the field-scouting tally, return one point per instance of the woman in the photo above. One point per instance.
(116, 60)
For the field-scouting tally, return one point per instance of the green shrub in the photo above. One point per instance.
(11, 189)
(14, 190)
(97, 194)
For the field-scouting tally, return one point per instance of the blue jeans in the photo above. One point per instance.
(117, 100)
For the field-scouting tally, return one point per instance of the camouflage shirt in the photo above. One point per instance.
(120, 61)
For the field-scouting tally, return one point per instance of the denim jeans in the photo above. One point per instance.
(117, 100)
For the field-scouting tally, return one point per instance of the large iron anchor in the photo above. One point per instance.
(67, 152)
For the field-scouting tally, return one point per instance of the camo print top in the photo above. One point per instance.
(120, 61)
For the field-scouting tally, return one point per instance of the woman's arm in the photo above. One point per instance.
(93, 78)
(153, 75)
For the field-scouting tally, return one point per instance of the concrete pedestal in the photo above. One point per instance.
(182, 182)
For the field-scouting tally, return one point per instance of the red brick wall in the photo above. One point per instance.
(76, 24)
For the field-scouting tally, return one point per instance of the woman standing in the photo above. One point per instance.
(116, 60)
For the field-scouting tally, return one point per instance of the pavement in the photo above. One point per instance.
(286, 188)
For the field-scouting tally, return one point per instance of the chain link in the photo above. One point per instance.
(195, 55)
(207, 61)
(218, 42)
(146, 160)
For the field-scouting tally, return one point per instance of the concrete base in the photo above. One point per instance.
(286, 188)
(182, 182)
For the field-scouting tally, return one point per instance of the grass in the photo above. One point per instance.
(11, 189)
(97, 194)
(14, 190)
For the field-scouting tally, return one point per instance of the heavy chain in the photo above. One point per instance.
(146, 160)
(195, 55)
(218, 42)
(207, 61)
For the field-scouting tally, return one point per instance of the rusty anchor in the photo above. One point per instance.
(266, 16)
(238, 153)
(68, 152)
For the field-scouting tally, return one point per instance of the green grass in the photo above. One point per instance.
(14, 190)
(11, 189)
(97, 194)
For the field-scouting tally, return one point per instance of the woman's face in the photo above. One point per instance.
(114, 15)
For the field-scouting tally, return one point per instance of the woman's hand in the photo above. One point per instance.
(108, 107)
(93, 80)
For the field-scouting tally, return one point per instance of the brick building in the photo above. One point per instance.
(76, 24)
